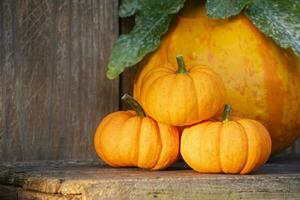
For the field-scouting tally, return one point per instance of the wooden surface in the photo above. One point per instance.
(91, 180)
(53, 90)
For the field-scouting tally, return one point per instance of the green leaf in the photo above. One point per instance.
(221, 9)
(151, 22)
(279, 19)
(128, 8)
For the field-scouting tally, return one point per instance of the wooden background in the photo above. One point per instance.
(53, 90)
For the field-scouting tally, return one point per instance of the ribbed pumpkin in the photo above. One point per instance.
(129, 138)
(181, 96)
(238, 146)
(262, 81)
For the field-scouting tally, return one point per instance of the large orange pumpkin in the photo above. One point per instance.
(183, 95)
(262, 80)
(129, 138)
(230, 146)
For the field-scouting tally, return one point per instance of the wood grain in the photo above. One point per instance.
(53, 89)
(91, 180)
(8, 192)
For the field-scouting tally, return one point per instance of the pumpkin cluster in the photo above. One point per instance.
(262, 80)
(188, 98)
(177, 106)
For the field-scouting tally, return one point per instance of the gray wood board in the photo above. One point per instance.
(53, 89)
(91, 180)
(8, 192)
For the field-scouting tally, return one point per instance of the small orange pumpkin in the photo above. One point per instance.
(189, 95)
(238, 146)
(128, 138)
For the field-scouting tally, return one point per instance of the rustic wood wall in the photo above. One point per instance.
(53, 90)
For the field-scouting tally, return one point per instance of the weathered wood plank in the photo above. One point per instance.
(2, 88)
(53, 89)
(187, 189)
(93, 181)
(38, 47)
(8, 192)
(11, 140)
(58, 82)
(30, 195)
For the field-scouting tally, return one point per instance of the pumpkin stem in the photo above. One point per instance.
(226, 113)
(181, 65)
(134, 105)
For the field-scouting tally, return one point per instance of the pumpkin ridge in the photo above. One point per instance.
(122, 131)
(257, 161)
(106, 124)
(151, 83)
(218, 147)
(176, 137)
(212, 76)
(158, 131)
(170, 98)
(157, 78)
(149, 147)
(137, 145)
(224, 140)
(110, 117)
(155, 83)
(149, 75)
(185, 113)
(196, 96)
(172, 133)
(262, 142)
(205, 129)
(246, 134)
(144, 80)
